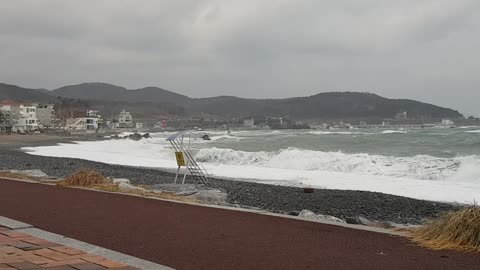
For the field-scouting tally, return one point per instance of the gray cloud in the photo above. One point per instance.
(420, 49)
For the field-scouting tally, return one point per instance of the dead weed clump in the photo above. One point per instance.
(91, 179)
(455, 230)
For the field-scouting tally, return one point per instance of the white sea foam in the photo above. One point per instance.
(318, 132)
(422, 177)
(418, 167)
(394, 132)
(473, 131)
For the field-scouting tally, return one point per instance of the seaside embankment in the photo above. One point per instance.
(344, 204)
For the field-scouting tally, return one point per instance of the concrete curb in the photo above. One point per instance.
(86, 247)
(13, 224)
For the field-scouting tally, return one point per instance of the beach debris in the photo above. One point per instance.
(124, 185)
(311, 215)
(86, 178)
(352, 220)
(128, 187)
(454, 230)
(197, 192)
(308, 190)
(121, 180)
(32, 173)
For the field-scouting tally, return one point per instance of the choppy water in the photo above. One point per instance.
(435, 163)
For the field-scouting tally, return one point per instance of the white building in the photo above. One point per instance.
(46, 115)
(20, 117)
(249, 122)
(401, 116)
(95, 114)
(125, 119)
(82, 123)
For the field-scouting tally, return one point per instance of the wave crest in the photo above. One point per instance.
(418, 167)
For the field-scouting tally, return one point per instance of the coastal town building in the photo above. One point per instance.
(97, 115)
(274, 121)
(401, 116)
(46, 115)
(91, 121)
(250, 122)
(82, 123)
(19, 117)
(125, 119)
(9, 110)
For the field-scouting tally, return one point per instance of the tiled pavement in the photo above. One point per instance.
(19, 251)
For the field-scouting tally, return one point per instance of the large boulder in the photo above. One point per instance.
(135, 137)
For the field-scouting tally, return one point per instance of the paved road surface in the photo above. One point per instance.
(193, 237)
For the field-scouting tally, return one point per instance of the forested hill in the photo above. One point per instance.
(332, 105)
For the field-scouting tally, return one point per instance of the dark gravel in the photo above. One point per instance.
(280, 199)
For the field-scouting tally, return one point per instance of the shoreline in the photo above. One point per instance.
(344, 204)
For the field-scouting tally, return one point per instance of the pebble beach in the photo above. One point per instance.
(344, 204)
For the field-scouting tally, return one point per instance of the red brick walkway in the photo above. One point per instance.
(19, 251)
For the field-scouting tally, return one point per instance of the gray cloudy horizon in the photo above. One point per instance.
(418, 49)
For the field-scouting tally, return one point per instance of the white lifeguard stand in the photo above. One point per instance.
(185, 159)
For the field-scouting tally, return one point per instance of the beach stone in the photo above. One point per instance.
(32, 173)
(352, 220)
(146, 135)
(311, 215)
(121, 180)
(365, 221)
(135, 137)
(214, 196)
(128, 187)
(197, 192)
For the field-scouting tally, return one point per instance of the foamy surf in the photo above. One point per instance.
(422, 176)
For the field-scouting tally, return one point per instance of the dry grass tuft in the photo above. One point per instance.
(456, 230)
(91, 179)
(95, 180)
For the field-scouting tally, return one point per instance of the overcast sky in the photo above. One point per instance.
(419, 49)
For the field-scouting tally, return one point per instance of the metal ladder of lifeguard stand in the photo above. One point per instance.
(197, 171)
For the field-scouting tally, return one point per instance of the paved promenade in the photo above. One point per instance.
(193, 237)
(20, 251)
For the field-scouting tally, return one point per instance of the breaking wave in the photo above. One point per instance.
(337, 133)
(394, 132)
(420, 167)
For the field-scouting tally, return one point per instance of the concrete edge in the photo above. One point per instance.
(253, 211)
(13, 224)
(86, 247)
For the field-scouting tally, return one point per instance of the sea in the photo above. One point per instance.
(439, 164)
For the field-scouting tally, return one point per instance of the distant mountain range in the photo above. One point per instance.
(330, 105)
